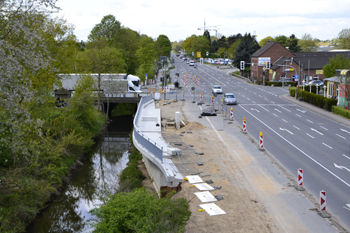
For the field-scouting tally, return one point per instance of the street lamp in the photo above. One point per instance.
(338, 96)
(324, 91)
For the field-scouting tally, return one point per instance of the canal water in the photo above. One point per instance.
(90, 183)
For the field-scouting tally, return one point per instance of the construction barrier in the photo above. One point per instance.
(261, 142)
(231, 114)
(201, 97)
(300, 180)
(212, 100)
(323, 212)
(244, 126)
(183, 95)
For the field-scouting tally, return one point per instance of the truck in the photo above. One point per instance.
(110, 83)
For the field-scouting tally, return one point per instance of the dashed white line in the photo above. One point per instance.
(309, 135)
(265, 98)
(254, 102)
(284, 120)
(298, 115)
(285, 109)
(340, 136)
(275, 115)
(272, 102)
(327, 145)
(309, 121)
(323, 128)
(296, 127)
(264, 108)
(346, 156)
(278, 110)
(248, 99)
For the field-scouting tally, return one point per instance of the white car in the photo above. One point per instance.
(217, 89)
(191, 63)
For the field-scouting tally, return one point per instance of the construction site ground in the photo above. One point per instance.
(259, 195)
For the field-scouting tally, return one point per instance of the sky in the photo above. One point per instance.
(181, 19)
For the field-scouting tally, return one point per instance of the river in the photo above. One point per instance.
(97, 177)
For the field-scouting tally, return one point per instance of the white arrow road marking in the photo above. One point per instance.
(327, 145)
(278, 110)
(341, 167)
(253, 109)
(316, 131)
(303, 111)
(344, 130)
(286, 130)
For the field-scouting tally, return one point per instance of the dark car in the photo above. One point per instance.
(209, 112)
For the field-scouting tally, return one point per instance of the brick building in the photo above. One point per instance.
(283, 63)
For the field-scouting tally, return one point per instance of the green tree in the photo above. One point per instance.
(245, 49)
(232, 39)
(200, 44)
(100, 58)
(292, 44)
(214, 47)
(187, 45)
(344, 39)
(307, 43)
(222, 43)
(338, 62)
(207, 35)
(232, 49)
(163, 45)
(108, 29)
(146, 54)
(265, 40)
(282, 40)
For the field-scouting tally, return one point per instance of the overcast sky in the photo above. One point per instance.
(181, 19)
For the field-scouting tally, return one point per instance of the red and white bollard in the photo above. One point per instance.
(201, 97)
(212, 100)
(185, 81)
(323, 212)
(261, 142)
(244, 126)
(300, 180)
(231, 114)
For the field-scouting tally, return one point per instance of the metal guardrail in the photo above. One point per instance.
(145, 141)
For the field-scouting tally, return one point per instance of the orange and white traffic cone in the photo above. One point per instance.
(261, 142)
(231, 114)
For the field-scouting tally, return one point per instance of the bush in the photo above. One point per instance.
(341, 111)
(141, 211)
(329, 103)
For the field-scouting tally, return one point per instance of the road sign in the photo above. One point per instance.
(199, 54)
(289, 70)
(146, 75)
(264, 68)
(296, 77)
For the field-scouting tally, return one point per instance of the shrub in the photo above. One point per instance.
(341, 111)
(329, 103)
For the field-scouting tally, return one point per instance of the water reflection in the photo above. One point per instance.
(95, 179)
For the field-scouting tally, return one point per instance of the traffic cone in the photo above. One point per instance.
(244, 126)
(261, 142)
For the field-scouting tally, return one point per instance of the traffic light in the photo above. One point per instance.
(242, 65)
(268, 65)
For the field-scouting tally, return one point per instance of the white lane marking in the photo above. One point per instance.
(303, 111)
(284, 108)
(309, 135)
(345, 131)
(342, 167)
(284, 120)
(253, 109)
(348, 205)
(254, 102)
(327, 145)
(273, 102)
(266, 98)
(278, 110)
(346, 156)
(286, 130)
(316, 131)
(254, 93)
(309, 121)
(296, 127)
(298, 115)
(340, 136)
(324, 128)
(243, 95)
(260, 96)
(248, 99)
(275, 115)
(264, 108)
(297, 148)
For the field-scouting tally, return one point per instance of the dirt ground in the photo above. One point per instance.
(245, 188)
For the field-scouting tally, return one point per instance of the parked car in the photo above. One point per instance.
(286, 80)
(229, 98)
(217, 89)
(314, 82)
(191, 63)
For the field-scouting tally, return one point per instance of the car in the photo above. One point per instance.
(187, 62)
(229, 98)
(217, 89)
(314, 82)
(286, 80)
(191, 63)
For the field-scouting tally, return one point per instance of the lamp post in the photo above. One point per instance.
(316, 88)
(324, 91)
(303, 85)
(338, 96)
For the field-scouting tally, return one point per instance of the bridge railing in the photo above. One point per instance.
(145, 141)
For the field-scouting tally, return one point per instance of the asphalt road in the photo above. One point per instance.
(294, 135)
